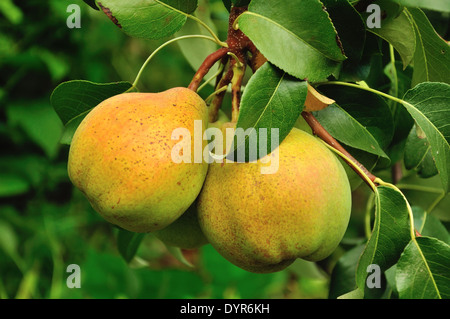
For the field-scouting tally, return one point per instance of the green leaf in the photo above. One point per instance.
(349, 26)
(11, 184)
(348, 130)
(343, 278)
(367, 159)
(91, 3)
(227, 4)
(418, 155)
(272, 99)
(306, 269)
(358, 119)
(57, 67)
(429, 225)
(424, 192)
(128, 243)
(399, 31)
(390, 279)
(10, 11)
(423, 270)
(400, 83)
(432, 54)
(39, 122)
(354, 294)
(8, 239)
(73, 100)
(149, 19)
(20, 172)
(428, 105)
(299, 38)
(390, 233)
(71, 128)
(437, 5)
(178, 254)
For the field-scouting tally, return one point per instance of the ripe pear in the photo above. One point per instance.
(263, 222)
(367, 159)
(121, 158)
(185, 232)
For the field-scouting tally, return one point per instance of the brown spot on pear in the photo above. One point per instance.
(123, 150)
(263, 222)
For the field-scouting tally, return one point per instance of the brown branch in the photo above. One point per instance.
(238, 45)
(237, 41)
(205, 67)
(320, 131)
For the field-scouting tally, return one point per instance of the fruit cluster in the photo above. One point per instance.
(121, 159)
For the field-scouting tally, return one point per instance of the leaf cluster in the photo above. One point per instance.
(391, 87)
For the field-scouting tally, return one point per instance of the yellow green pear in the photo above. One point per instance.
(263, 222)
(354, 179)
(121, 157)
(185, 232)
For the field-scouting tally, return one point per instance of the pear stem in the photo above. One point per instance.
(236, 82)
(219, 71)
(216, 39)
(220, 90)
(218, 98)
(236, 54)
(136, 81)
(320, 131)
(205, 67)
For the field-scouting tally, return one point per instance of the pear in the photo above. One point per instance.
(263, 222)
(365, 158)
(121, 158)
(185, 232)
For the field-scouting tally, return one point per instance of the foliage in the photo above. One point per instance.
(391, 112)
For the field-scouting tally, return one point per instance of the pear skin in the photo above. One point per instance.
(263, 222)
(121, 158)
(354, 179)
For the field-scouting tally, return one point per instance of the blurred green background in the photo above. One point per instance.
(46, 224)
